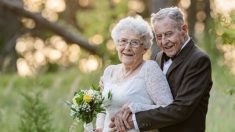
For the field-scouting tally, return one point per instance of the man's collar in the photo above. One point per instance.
(185, 43)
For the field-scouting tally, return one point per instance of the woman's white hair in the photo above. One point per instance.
(136, 24)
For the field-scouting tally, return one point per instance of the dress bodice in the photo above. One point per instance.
(131, 90)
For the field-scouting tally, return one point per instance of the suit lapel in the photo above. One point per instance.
(174, 64)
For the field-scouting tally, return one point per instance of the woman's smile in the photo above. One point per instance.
(127, 54)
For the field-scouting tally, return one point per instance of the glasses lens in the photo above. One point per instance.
(123, 42)
(133, 43)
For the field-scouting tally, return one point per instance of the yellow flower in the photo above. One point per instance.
(87, 98)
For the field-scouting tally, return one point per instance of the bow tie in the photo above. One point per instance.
(166, 58)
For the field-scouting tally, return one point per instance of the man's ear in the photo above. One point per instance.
(184, 28)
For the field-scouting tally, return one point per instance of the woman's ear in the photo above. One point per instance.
(116, 46)
(145, 50)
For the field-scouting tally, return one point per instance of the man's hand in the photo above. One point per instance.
(122, 120)
(126, 115)
(120, 126)
(130, 121)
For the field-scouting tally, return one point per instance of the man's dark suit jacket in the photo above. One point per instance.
(189, 77)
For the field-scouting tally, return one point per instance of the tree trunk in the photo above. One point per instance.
(210, 34)
(10, 28)
(192, 18)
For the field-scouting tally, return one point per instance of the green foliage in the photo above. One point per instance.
(36, 116)
(227, 28)
(94, 87)
(228, 36)
(231, 90)
(225, 34)
(110, 95)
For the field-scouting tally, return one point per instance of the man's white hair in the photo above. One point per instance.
(173, 13)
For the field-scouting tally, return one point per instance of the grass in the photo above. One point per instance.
(56, 88)
(221, 111)
(59, 87)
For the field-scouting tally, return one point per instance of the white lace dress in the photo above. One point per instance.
(146, 89)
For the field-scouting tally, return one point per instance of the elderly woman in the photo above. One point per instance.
(135, 82)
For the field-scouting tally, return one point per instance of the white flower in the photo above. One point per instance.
(86, 107)
(81, 108)
(90, 92)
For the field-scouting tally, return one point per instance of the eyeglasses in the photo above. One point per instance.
(133, 43)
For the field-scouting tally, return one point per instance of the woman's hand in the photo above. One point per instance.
(112, 127)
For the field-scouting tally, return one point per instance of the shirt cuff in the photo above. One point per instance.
(135, 122)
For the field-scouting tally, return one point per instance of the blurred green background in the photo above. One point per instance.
(49, 49)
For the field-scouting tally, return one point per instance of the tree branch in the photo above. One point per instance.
(54, 27)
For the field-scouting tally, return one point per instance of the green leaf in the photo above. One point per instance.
(96, 88)
(110, 95)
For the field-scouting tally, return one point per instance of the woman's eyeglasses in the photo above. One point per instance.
(133, 43)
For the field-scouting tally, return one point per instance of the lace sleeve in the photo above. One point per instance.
(101, 116)
(100, 120)
(157, 88)
(107, 73)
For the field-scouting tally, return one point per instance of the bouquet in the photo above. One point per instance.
(85, 105)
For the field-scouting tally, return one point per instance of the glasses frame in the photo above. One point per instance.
(131, 42)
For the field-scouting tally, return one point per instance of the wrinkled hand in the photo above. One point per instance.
(126, 112)
(115, 122)
(120, 126)
(98, 130)
(112, 125)
(121, 120)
